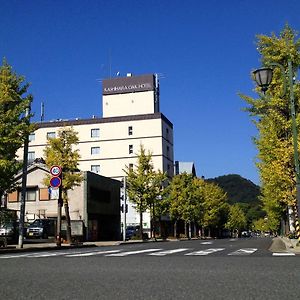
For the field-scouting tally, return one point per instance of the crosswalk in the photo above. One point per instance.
(154, 252)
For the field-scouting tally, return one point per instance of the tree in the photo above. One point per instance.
(184, 200)
(236, 219)
(271, 115)
(215, 206)
(180, 198)
(60, 151)
(14, 124)
(144, 184)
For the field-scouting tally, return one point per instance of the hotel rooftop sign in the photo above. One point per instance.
(128, 84)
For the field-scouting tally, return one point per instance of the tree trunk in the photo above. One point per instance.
(185, 231)
(67, 213)
(1, 194)
(141, 224)
(175, 229)
(153, 224)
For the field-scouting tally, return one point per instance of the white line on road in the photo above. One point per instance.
(134, 252)
(166, 252)
(283, 254)
(93, 253)
(206, 243)
(206, 252)
(37, 254)
(244, 251)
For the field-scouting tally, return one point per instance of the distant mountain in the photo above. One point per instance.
(238, 189)
(243, 191)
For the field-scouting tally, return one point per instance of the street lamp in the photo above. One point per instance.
(263, 78)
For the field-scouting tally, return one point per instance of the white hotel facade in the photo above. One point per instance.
(131, 117)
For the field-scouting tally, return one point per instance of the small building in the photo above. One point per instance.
(184, 167)
(96, 201)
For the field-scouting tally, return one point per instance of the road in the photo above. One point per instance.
(211, 269)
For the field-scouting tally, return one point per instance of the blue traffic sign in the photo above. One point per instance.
(55, 182)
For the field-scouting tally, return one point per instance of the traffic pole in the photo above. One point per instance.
(124, 209)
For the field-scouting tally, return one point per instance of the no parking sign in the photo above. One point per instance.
(55, 181)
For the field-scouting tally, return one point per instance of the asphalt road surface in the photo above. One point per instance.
(210, 269)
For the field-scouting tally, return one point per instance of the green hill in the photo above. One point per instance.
(238, 189)
(243, 191)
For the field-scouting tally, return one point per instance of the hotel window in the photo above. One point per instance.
(95, 132)
(50, 135)
(31, 137)
(95, 150)
(31, 156)
(168, 151)
(95, 169)
(167, 133)
(130, 149)
(130, 167)
(129, 130)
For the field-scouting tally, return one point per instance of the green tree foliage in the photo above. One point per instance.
(14, 125)
(236, 219)
(183, 201)
(215, 206)
(144, 185)
(271, 115)
(195, 200)
(260, 225)
(60, 151)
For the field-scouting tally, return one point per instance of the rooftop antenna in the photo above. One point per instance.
(42, 111)
(109, 58)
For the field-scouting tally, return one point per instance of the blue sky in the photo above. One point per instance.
(204, 51)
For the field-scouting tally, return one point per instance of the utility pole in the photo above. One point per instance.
(124, 208)
(58, 224)
(24, 184)
(56, 182)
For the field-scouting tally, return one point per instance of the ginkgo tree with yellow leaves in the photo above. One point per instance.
(61, 151)
(271, 114)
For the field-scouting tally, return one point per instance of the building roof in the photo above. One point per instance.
(97, 120)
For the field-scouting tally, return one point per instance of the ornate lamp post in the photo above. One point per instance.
(263, 78)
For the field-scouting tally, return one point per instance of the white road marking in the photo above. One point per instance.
(206, 243)
(93, 253)
(206, 252)
(14, 256)
(244, 251)
(283, 254)
(38, 254)
(133, 252)
(166, 252)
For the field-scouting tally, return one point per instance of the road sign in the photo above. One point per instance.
(54, 193)
(55, 170)
(55, 182)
